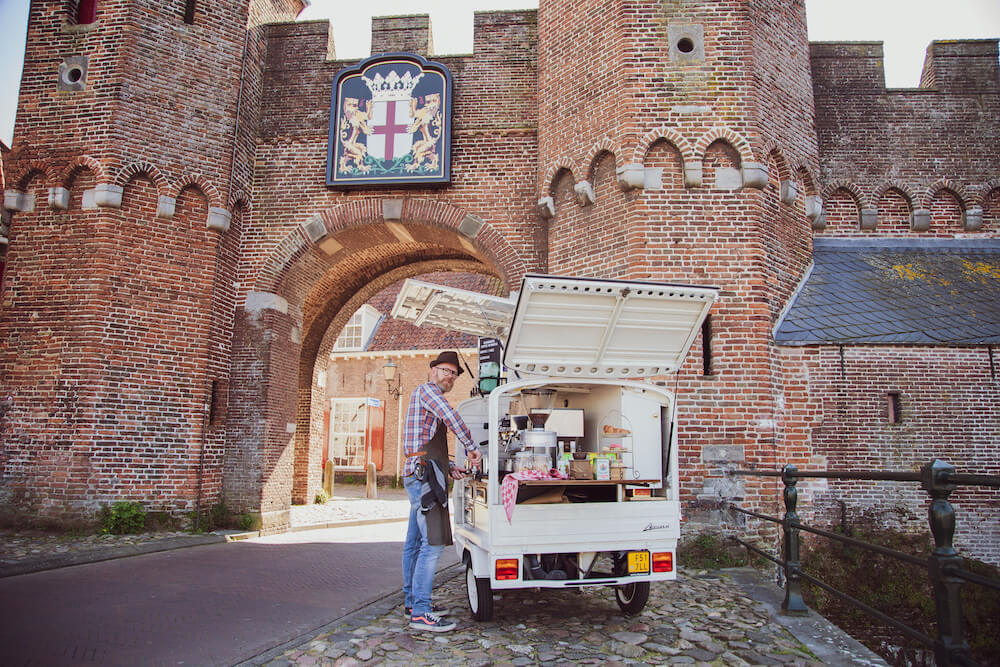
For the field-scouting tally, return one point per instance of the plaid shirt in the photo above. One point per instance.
(428, 408)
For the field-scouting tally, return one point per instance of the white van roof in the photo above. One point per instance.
(572, 327)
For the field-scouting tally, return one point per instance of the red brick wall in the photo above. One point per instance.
(835, 411)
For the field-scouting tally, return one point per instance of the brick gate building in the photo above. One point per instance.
(178, 270)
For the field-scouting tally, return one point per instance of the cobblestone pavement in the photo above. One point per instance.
(700, 620)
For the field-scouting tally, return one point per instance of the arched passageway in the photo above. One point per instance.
(306, 292)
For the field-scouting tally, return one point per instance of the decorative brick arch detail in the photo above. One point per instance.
(133, 169)
(32, 169)
(563, 163)
(808, 178)
(203, 184)
(83, 162)
(668, 134)
(603, 146)
(362, 212)
(885, 186)
(960, 192)
(852, 188)
(979, 199)
(784, 169)
(240, 200)
(731, 137)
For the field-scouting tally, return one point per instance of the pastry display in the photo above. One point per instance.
(614, 430)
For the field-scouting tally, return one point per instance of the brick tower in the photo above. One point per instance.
(676, 143)
(126, 177)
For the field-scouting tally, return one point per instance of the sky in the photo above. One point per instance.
(905, 26)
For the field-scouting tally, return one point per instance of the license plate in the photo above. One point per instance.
(638, 561)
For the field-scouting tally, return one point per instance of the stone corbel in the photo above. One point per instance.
(470, 226)
(584, 193)
(314, 228)
(59, 198)
(693, 174)
(920, 220)
(814, 208)
(631, 176)
(819, 224)
(392, 209)
(546, 208)
(165, 207)
(107, 195)
(754, 175)
(219, 219)
(789, 190)
(17, 201)
(869, 218)
(972, 219)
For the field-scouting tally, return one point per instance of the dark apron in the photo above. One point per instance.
(438, 521)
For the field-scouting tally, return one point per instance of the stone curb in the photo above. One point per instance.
(826, 641)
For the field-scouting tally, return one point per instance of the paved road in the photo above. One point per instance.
(208, 605)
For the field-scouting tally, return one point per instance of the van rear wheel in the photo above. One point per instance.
(632, 598)
(480, 594)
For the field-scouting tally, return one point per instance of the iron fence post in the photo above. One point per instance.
(793, 604)
(951, 642)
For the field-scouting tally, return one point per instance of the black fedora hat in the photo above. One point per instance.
(448, 357)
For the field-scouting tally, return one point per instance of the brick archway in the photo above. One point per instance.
(280, 332)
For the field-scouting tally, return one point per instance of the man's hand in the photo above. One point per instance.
(458, 473)
(475, 456)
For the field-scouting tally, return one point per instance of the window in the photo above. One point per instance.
(189, 6)
(348, 417)
(894, 411)
(358, 330)
(706, 346)
(86, 12)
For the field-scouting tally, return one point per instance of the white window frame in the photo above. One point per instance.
(348, 446)
(354, 337)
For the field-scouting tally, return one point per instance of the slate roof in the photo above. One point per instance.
(916, 291)
(393, 334)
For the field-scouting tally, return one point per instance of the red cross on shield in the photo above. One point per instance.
(389, 138)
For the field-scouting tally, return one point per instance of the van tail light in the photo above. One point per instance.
(506, 568)
(663, 562)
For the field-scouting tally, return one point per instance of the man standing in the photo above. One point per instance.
(425, 437)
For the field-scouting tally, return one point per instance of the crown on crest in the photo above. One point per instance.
(392, 87)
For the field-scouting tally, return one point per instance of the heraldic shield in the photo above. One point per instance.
(390, 123)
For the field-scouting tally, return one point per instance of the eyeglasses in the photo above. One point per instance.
(447, 372)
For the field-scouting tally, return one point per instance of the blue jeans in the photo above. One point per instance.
(419, 558)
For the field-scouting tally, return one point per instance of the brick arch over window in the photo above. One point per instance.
(488, 242)
(959, 191)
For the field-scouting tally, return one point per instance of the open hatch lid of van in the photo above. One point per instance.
(455, 309)
(581, 327)
(572, 327)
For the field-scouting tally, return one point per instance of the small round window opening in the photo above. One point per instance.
(685, 45)
(74, 74)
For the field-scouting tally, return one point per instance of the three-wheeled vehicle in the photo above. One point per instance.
(587, 440)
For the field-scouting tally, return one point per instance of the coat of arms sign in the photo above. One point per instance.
(390, 123)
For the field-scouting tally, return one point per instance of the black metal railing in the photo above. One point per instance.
(944, 566)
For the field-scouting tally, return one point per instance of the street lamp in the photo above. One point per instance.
(389, 372)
